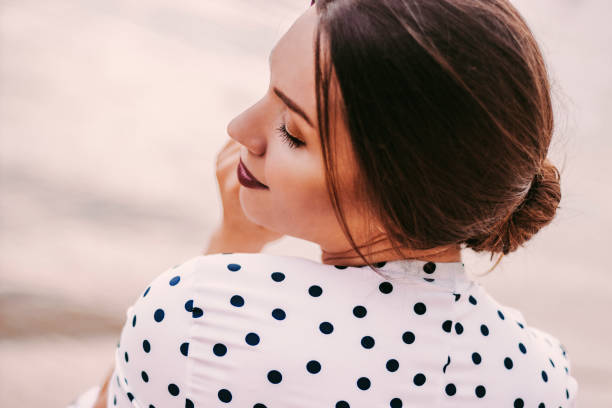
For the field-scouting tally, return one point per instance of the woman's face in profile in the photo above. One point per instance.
(296, 202)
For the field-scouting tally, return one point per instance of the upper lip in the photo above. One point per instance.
(249, 173)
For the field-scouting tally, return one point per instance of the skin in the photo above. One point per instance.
(296, 202)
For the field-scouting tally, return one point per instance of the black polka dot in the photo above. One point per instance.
(396, 403)
(457, 296)
(278, 314)
(277, 276)
(447, 326)
(500, 314)
(146, 291)
(125, 355)
(484, 330)
(450, 389)
(174, 280)
(130, 396)
(326, 327)
(419, 379)
(522, 348)
(237, 301)
(173, 389)
(184, 349)
(145, 376)
(458, 328)
(189, 305)
(380, 264)
(259, 405)
(541, 405)
(114, 400)
(315, 291)
(544, 376)
(224, 395)
(385, 287)
(429, 279)
(313, 366)
(367, 342)
(476, 358)
(392, 365)
(359, 311)
(520, 325)
(566, 393)
(429, 267)
(134, 321)
(252, 339)
(508, 363)
(480, 391)
(197, 312)
(340, 266)
(219, 349)
(363, 383)
(159, 315)
(472, 300)
(189, 403)
(275, 376)
(233, 267)
(518, 403)
(408, 337)
(420, 308)
(342, 404)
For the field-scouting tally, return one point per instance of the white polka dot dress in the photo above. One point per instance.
(268, 331)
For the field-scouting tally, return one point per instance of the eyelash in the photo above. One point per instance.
(292, 141)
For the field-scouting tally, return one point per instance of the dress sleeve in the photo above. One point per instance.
(556, 352)
(86, 399)
(151, 364)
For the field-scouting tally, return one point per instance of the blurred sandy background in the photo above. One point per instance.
(111, 114)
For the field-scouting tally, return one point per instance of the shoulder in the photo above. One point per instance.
(173, 290)
(218, 266)
(186, 303)
(532, 358)
(183, 309)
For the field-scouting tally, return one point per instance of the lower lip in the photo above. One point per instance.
(246, 180)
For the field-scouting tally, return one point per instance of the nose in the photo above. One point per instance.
(248, 129)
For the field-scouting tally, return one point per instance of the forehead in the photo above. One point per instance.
(292, 62)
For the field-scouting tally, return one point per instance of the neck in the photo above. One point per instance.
(381, 250)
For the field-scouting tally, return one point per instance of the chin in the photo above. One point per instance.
(254, 209)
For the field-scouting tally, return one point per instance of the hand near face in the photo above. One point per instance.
(235, 224)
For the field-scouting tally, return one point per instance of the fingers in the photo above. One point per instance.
(230, 151)
(230, 146)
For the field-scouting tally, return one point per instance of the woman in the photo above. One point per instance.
(393, 134)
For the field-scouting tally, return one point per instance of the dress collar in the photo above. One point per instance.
(445, 274)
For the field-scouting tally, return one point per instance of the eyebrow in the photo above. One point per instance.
(292, 105)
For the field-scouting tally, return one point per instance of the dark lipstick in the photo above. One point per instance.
(246, 178)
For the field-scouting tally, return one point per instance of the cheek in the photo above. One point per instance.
(299, 185)
(297, 203)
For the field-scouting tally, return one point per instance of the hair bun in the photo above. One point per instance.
(537, 210)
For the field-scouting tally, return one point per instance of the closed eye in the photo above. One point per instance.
(293, 142)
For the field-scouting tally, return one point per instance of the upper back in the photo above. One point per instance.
(283, 331)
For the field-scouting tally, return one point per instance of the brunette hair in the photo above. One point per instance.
(448, 107)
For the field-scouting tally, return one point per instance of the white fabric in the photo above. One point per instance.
(420, 351)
